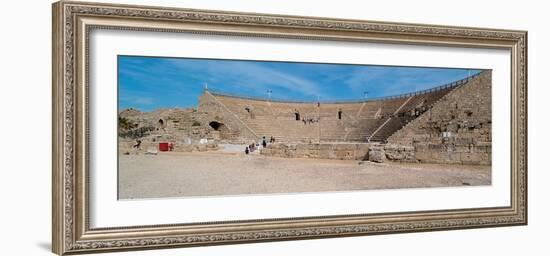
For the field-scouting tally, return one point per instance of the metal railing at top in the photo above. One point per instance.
(399, 96)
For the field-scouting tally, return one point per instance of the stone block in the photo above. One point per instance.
(345, 154)
(377, 154)
(400, 153)
(462, 148)
(470, 158)
(327, 154)
(326, 147)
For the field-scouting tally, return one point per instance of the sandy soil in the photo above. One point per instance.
(177, 174)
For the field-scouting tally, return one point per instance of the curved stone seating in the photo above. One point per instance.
(358, 121)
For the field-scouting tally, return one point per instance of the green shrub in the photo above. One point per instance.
(126, 124)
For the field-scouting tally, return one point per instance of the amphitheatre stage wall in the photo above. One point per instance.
(456, 130)
(341, 151)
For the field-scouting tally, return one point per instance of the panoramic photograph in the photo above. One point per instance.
(192, 127)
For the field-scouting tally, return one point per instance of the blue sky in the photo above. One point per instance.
(149, 83)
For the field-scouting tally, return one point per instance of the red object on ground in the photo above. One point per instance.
(164, 146)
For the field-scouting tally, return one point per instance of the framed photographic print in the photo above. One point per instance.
(179, 127)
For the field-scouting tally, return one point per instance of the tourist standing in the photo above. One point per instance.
(137, 145)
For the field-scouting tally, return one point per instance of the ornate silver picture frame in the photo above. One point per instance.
(74, 21)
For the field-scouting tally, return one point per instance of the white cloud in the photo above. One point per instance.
(249, 76)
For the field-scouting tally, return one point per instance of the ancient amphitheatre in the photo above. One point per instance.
(432, 138)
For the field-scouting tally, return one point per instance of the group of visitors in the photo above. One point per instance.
(254, 146)
(251, 148)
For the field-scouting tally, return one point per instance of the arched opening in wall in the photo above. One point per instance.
(216, 125)
(161, 125)
(339, 114)
(297, 115)
(221, 131)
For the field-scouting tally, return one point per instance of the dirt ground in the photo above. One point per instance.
(178, 174)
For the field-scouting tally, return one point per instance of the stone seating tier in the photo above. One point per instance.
(358, 121)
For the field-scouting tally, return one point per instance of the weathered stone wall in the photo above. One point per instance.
(216, 111)
(457, 129)
(351, 151)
